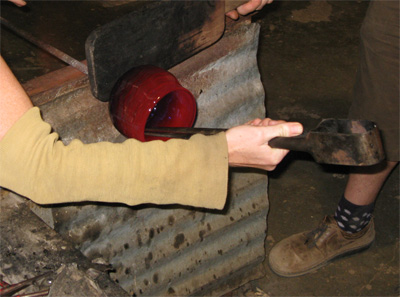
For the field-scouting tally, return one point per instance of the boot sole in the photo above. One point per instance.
(345, 254)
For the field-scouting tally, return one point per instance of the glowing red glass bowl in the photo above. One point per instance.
(148, 96)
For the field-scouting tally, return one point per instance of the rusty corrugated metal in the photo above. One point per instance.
(176, 250)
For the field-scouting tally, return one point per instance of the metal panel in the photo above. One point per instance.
(178, 250)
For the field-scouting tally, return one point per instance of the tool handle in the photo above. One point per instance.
(296, 143)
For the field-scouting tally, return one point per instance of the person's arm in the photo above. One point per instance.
(36, 164)
(14, 102)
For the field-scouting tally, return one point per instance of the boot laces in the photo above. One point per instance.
(313, 236)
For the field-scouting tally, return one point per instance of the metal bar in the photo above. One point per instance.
(46, 47)
(36, 294)
(179, 132)
(3, 284)
(11, 289)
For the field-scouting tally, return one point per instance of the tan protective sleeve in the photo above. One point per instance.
(36, 164)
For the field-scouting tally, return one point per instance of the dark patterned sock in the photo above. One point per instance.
(353, 218)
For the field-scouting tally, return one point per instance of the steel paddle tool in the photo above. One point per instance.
(333, 141)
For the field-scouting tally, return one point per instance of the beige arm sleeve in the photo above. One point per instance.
(36, 164)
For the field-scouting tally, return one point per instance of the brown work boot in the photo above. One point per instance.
(305, 252)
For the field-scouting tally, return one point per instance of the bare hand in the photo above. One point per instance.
(247, 8)
(248, 144)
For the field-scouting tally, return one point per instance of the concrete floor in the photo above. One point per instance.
(308, 59)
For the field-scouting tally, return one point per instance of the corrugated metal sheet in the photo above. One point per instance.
(177, 250)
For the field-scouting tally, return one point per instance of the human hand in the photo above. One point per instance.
(18, 2)
(247, 8)
(248, 143)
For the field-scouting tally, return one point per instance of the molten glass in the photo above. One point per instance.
(149, 97)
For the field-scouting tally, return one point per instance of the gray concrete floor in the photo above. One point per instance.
(308, 58)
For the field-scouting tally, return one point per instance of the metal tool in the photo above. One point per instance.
(9, 289)
(46, 47)
(333, 141)
(160, 33)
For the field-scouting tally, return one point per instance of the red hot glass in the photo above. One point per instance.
(148, 96)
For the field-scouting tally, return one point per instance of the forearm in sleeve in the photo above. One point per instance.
(36, 164)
